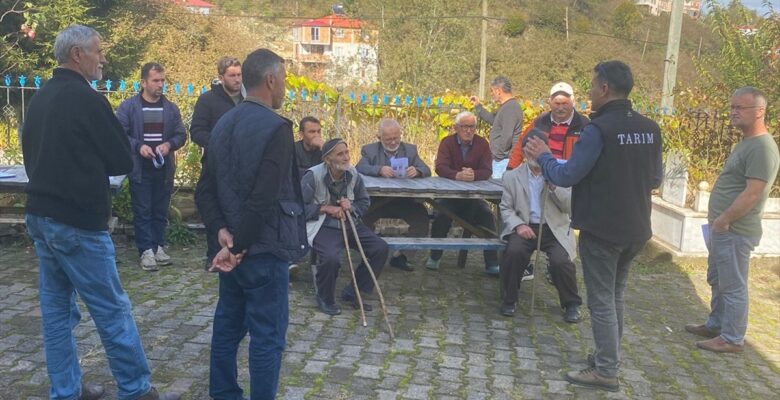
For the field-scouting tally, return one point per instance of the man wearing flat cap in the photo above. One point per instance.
(330, 191)
(521, 209)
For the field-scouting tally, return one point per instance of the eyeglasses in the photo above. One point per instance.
(740, 108)
(466, 126)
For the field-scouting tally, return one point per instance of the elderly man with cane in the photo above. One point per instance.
(330, 191)
(536, 217)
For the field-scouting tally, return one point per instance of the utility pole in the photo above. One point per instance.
(672, 56)
(483, 53)
(645, 45)
(567, 24)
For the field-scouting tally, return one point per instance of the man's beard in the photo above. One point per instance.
(340, 167)
(389, 150)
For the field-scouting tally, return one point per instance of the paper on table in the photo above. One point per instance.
(705, 233)
(6, 175)
(399, 166)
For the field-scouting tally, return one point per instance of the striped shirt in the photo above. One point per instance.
(153, 122)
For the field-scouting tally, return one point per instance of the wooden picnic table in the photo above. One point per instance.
(17, 183)
(428, 190)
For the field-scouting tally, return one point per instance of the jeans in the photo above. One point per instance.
(72, 261)
(150, 199)
(727, 274)
(605, 268)
(253, 298)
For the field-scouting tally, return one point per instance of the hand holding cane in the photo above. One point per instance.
(373, 277)
(342, 222)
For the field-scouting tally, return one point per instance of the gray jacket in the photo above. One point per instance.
(515, 208)
(373, 158)
(506, 125)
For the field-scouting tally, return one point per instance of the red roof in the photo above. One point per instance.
(335, 21)
(194, 3)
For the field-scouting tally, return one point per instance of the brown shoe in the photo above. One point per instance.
(719, 345)
(702, 330)
(589, 377)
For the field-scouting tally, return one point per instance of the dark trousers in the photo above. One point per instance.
(474, 211)
(518, 254)
(212, 238)
(150, 199)
(413, 213)
(253, 298)
(605, 268)
(328, 245)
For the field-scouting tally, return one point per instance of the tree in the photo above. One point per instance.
(625, 19)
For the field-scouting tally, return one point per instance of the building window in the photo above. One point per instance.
(339, 33)
(315, 34)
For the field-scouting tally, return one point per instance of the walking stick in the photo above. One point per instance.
(373, 277)
(352, 271)
(538, 246)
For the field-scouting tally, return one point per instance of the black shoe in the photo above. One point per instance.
(507, 310)
(572, 314)
(330, 309)
(91, 392)
(528, 274)
(352, 300)
(401, 262)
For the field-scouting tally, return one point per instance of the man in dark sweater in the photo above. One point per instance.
(505, 124)
(72, 143)
(613, 169)
(155, 129)
(252, 190)
(464, 157)
(225, 93)
(308, 150)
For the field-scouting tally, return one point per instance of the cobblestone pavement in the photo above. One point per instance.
(451, 343)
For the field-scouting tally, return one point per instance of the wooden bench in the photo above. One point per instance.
(463, 245)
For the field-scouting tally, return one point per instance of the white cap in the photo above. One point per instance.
(562, 87)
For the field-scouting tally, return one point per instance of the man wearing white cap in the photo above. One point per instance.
(562, 124)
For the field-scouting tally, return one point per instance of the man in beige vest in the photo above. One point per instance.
(330, 190)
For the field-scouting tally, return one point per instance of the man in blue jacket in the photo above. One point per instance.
(153, 125)
(252, 196)
(612, 171)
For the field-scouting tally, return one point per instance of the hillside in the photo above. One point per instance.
(428, 46)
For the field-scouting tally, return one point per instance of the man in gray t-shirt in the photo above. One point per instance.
(505, 124)
(735, 208)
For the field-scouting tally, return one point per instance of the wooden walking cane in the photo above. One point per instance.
(538, 246)
(352, 270)
(373, 277)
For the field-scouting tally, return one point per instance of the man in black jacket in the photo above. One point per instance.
(225, 93)
(72, 143)
(613, 169)
(251, 193)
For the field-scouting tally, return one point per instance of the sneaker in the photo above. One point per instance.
(507, 310)
(589, 377)
(493, 270)
(148, 263)
(432, 264)
(161, 257)
(528, 274)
